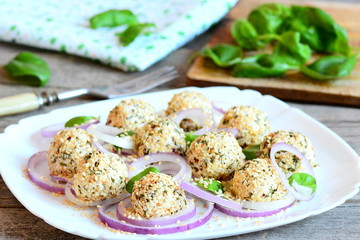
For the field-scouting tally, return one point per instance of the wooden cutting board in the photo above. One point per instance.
(292, 86)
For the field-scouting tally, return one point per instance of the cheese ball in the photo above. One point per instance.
(257, 181)
(215, 155)
(287, 161)
(160, 135)
(157, 195)
(67, 149)
(189, 100)
(100, 176)
(131, 114)
(252, 124)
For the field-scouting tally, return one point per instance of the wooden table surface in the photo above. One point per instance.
(342, 222)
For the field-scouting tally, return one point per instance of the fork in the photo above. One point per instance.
(31, 101)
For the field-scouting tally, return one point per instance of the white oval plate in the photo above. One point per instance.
(20, 141)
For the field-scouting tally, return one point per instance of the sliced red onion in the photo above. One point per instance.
(220, 106)
(249, 213)
(59, 179)
(70, 195)
(197, 221)
(100, 147)
(269, 206)
(232, 131)
(183, 171)
(289, 148)
(204, 194)
(197, 115)
(183, 215)
(52, 130)
(108, 134)
(39, 173)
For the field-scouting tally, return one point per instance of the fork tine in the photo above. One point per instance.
(138, 85)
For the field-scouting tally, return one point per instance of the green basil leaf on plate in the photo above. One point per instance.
(223, 55)
(303, 179)
(79, 120)
(113, 18)
(250, 152)
(29, 69)
(330, 67)
(132, 32)
(211, 185)
(130, 184)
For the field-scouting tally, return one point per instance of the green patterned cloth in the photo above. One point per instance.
(64, 26)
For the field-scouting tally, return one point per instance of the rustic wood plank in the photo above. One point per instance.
(293, 85)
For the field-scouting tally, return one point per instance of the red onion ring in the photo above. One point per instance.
(52, 130)
(289, 148)
(197, 115)
(108, 134)
(197, 221)
(203, 194)
(249, 213)
(38, 172)
(217, 106)
(70, 195)
(183, 215)
(268, 206)
(232, 131)
(183, 172)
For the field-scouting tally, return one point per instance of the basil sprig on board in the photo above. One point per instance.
(114, 18)
(29, 69)
(294, 34)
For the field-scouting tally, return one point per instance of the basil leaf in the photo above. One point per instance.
(291, 49)
(303, 179)
(130, 184)
(210, 184)
(261, 65)
(269, 18)
(319, 30)
(223, 55)
(80, 120)
(330, 67)
(123, 134)
(129, 35)
(250, 152)
(30, 69)
(113, 18)
(189, 138)
(246, 36)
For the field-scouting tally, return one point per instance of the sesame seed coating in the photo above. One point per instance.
(67, 149)
(215, 155)
(252, 124)
(257, 181)
(131, 114)
(160, 135)
(100, 176)
(157, 195)
(287, 161)
(188, 100)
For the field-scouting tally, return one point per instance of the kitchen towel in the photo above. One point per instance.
(64, 26)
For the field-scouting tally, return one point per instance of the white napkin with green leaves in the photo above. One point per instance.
(64, 26)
